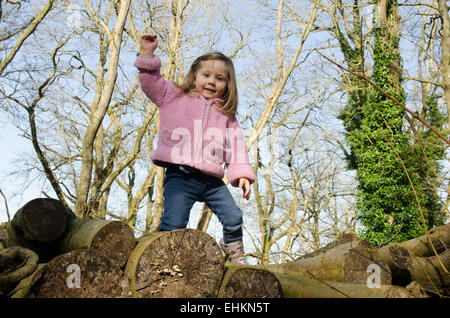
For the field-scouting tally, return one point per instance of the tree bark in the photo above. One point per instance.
(428, 272)
(245, 282)
(180, 263)
(445, 18)
(299, 287)
(96, 117)
(3, 235)
(83, 273)
(23, 288)
(16, 263)
(113, 239)
(204, 218)
(41, 220)
(349, 265)
(421, 246)
(395, 255)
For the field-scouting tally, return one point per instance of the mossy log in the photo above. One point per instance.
(45, 250)
(23, 288)
(395, 256)
(182, 263)
(14, 238)
(16, 263)
(417, 290)
(421, 246)
(300, 287)
(345, 241)
(42, 220)
(3, 236)
(83, 273)
(349, 265)
(430, 272)
(246, 282)
(114, 239)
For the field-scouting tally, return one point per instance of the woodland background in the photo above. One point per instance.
(332, 153)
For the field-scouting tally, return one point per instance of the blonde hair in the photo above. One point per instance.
(230, 96)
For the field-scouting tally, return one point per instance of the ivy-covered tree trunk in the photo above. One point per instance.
(429, 149)
(387, 206)
(352, 47)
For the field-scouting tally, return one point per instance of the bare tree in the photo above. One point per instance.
(22, 32)
(100, 103)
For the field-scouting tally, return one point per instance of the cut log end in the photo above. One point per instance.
(82, 273)
(42, 219)
(395, 256)
(115, 240)
(250, 283)
(180, 263)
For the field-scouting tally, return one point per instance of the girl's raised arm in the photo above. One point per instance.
(152, 83)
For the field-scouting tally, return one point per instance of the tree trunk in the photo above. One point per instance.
(395, 255)
(83, 273)
(428, 272)
(420, 246)
(245, 282)
(180, 263)
(204, 218)
(41, 220)
(99, 111)
(158, 205)
(445, 18)
(349, 265)
(299, 287)
(114, 239)
(16, 263)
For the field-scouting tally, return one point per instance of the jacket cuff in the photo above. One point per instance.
(237, 171)
(145, 64)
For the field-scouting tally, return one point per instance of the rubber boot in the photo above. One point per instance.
(234, 249)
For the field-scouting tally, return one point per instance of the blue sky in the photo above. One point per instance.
(12, 146)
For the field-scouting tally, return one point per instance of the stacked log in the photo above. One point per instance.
(297, 287)
(180, 263)
(83, 273)
(16, 263)
(114, 239)
(341, 264)
(101, 258)
(424, 260)
(96, 249)
(38, 225)
(249, 282)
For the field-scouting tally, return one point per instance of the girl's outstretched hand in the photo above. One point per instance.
(245, 185)
(149, 43)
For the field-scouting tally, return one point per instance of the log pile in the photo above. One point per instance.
(46, 251)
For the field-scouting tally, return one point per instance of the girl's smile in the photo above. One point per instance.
(211, 79)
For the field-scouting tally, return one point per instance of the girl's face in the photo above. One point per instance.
(211, 79)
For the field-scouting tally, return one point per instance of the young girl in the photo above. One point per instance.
(198, 133)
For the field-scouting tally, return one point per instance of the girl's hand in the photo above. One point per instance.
(149, 43)
(245, 185)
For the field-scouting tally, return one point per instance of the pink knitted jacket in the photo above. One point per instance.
(192, 129)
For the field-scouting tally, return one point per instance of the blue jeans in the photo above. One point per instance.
(182, 188)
